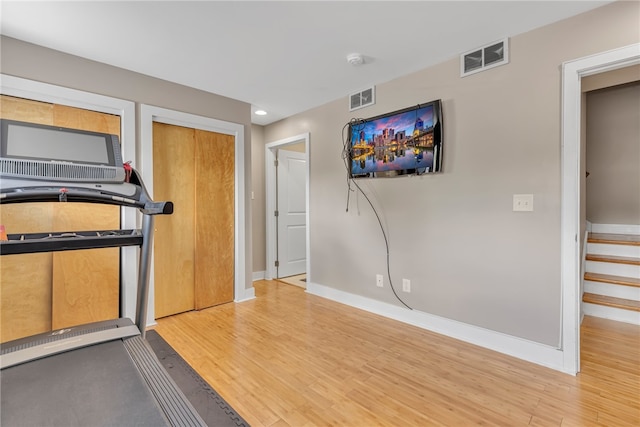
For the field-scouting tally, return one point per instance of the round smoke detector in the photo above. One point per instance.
(355, 59)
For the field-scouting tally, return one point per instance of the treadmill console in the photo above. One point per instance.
(40, 152)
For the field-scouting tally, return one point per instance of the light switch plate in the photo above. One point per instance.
(523, 202)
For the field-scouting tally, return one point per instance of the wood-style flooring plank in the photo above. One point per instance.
(288, 358)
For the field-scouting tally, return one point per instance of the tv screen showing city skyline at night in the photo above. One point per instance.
(404, 142)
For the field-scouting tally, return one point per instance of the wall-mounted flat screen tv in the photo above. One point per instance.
(404, 142)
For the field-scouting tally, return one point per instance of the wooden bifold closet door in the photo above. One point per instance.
(194, 247)
(47, 291)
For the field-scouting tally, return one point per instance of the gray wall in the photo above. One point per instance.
(613, 155)
(611, 78)
(469, 257)
(258, 203)
(33, 62)
(590, 83)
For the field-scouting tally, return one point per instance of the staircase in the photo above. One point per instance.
(612, 277)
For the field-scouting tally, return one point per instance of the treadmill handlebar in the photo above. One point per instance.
(41, 192)
(158, 208)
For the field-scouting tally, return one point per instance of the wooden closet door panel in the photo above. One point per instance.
(78, 118)
(25, 280)
(214, 216)
(83, 290)
(173, 178)
(25, 306)
(26, 110)
(86, 284)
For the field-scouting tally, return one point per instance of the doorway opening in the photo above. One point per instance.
(287, 210)
(572, 176)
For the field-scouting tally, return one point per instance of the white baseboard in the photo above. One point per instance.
(615, 228)
(248, 294)
(513, 346)
(258, 275)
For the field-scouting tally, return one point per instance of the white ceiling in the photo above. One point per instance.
(283, 57)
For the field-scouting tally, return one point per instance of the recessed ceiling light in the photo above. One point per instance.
(261, 112)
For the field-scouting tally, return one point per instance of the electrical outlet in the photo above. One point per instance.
(379, 280)
(406, 285)
(523, 202)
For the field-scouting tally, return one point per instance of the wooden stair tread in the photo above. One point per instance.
(608, 278)
(615, 239)
(611, 301)
(614, 259)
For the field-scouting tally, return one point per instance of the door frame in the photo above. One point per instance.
(571, 241)
(50, 93)
(150, 114)
(270, 175)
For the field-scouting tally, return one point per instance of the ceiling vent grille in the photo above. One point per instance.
(485, 57)
(362, 99)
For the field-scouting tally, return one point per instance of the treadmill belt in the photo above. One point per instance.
(92, 386)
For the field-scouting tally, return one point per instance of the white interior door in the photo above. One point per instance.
(292, 225)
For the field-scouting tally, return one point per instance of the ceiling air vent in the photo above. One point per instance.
(362, 99)
(485, 57)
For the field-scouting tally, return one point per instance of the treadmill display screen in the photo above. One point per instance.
(50, 144)
(43, 152)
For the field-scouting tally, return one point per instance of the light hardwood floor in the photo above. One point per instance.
(288, 358)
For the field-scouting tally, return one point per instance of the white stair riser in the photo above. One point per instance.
(612, 290)
(617, 250)
(620, 315)
(615, 269)
(616, 228)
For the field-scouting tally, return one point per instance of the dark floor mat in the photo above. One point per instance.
(213, 409)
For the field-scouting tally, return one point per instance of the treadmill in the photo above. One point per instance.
(97, 374)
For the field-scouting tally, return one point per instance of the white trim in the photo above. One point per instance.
(583, 267)
(44, 92)
(615, 228)
(270, 175)
(258, 275)
(150, 114)
(572, 73)
(248, 294)
(517, 347)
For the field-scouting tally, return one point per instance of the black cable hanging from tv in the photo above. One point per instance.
(347, 154)
(346, 157)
